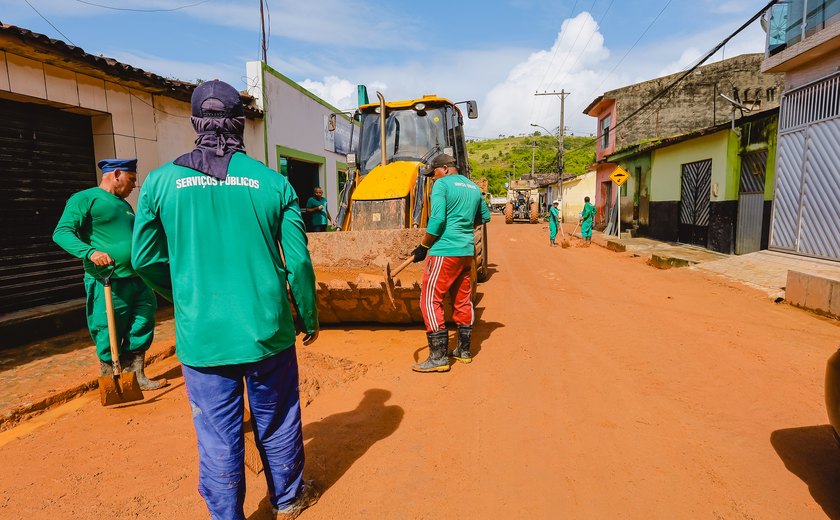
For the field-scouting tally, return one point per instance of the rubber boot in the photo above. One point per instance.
(438, 350)
(136, 364)
(462, 351)
(106, 368)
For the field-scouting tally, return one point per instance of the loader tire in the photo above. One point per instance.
(482, 269)
(509, 213)
(535, 213)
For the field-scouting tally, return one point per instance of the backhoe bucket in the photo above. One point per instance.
(349, 267)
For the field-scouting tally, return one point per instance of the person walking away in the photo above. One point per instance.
(96, 226)
(319, 215)
(221, 235)
(456, 209)
(553, 221)
(587, 218)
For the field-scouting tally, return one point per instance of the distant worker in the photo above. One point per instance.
(587, 218)
(221, 235)
(456, 209)
(553, 221)
(316, 208)
(96, 227)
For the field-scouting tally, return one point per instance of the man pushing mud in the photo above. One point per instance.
(457, 207)
(206, 237)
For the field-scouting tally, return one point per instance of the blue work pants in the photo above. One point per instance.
(217, 402)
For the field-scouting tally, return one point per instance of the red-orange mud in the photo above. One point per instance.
(601, 388)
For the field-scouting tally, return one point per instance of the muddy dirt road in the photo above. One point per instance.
(601, 388)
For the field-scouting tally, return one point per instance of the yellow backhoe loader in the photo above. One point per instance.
(384, 208)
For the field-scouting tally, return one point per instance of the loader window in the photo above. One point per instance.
(410, 135)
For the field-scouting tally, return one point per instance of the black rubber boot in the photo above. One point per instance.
(462, 351)
(106, 368)
(438, 349)
(136, 363)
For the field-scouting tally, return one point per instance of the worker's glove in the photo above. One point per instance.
(420, 253)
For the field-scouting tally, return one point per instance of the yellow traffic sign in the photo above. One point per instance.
(619, 175)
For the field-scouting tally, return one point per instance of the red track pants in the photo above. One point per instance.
(444, 274)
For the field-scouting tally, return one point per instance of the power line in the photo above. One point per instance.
(49, 22)
(551, 62)
(682, 76)
(600, 22)
(574, 43)
(598, 88)
(141, 10)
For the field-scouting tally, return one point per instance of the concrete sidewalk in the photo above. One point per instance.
(767, 271)
(46, 373)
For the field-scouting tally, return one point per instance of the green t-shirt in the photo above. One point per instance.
(318, 218)
(96, 220)
(211, 247)
(553, 214)
(588, 211)
(456, 208)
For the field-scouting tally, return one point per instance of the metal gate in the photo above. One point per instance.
(695, 202)
(46, 155)
(807, 191)
(750, 202)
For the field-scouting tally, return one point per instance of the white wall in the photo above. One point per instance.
(294, 118)
(126, 122)
(573, 193)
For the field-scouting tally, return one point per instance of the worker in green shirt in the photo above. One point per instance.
(96, 226)
(456, 209)
(316, 208)
(553, 221)
(221, 235)
(587, 218)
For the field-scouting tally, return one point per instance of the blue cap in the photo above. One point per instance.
(126, 165)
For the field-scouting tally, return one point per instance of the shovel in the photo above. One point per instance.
(389, 280)
(121, 387)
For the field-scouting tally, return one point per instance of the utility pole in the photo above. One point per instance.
(533, 152)
(561, 132)
(262, 34)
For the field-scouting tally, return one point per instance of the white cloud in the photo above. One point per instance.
(340, 93)
(570, 64)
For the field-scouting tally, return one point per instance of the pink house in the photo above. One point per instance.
(604, 110)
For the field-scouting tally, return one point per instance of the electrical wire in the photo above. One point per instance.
(608, 74)
(577, 60)
(682, 76)
(574, 43)
(49, 22)
(142, 10)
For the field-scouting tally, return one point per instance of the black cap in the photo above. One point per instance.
(442, 160)
(216, 99)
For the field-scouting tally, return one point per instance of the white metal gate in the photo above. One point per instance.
(806, 207)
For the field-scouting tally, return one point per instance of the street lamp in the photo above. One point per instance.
(559, 168)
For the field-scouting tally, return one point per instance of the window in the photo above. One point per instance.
(784, 21)
(605, 132)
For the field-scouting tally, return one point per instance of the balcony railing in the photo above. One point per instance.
(784, 21)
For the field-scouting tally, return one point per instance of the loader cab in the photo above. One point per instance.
(416, 130)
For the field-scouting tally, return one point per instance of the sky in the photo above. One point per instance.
(497, 52)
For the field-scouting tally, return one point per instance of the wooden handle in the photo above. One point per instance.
(112, 329)
(402, 266)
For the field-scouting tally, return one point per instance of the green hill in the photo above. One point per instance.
(494, 158)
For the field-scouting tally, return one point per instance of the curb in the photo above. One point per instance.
(26, 411)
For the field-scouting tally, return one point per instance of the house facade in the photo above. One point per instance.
(697, 102)
(64, 109)
(803, 43)
(711, 187)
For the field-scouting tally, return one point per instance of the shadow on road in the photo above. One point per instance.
(812, 454)
(338, 441)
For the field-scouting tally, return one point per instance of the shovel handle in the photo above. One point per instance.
(112, 326)
(402, 266)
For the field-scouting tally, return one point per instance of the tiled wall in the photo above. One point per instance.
(126, 122)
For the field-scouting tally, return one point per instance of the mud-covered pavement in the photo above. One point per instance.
(601, 388)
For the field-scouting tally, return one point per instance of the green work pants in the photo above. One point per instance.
(134, 315)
